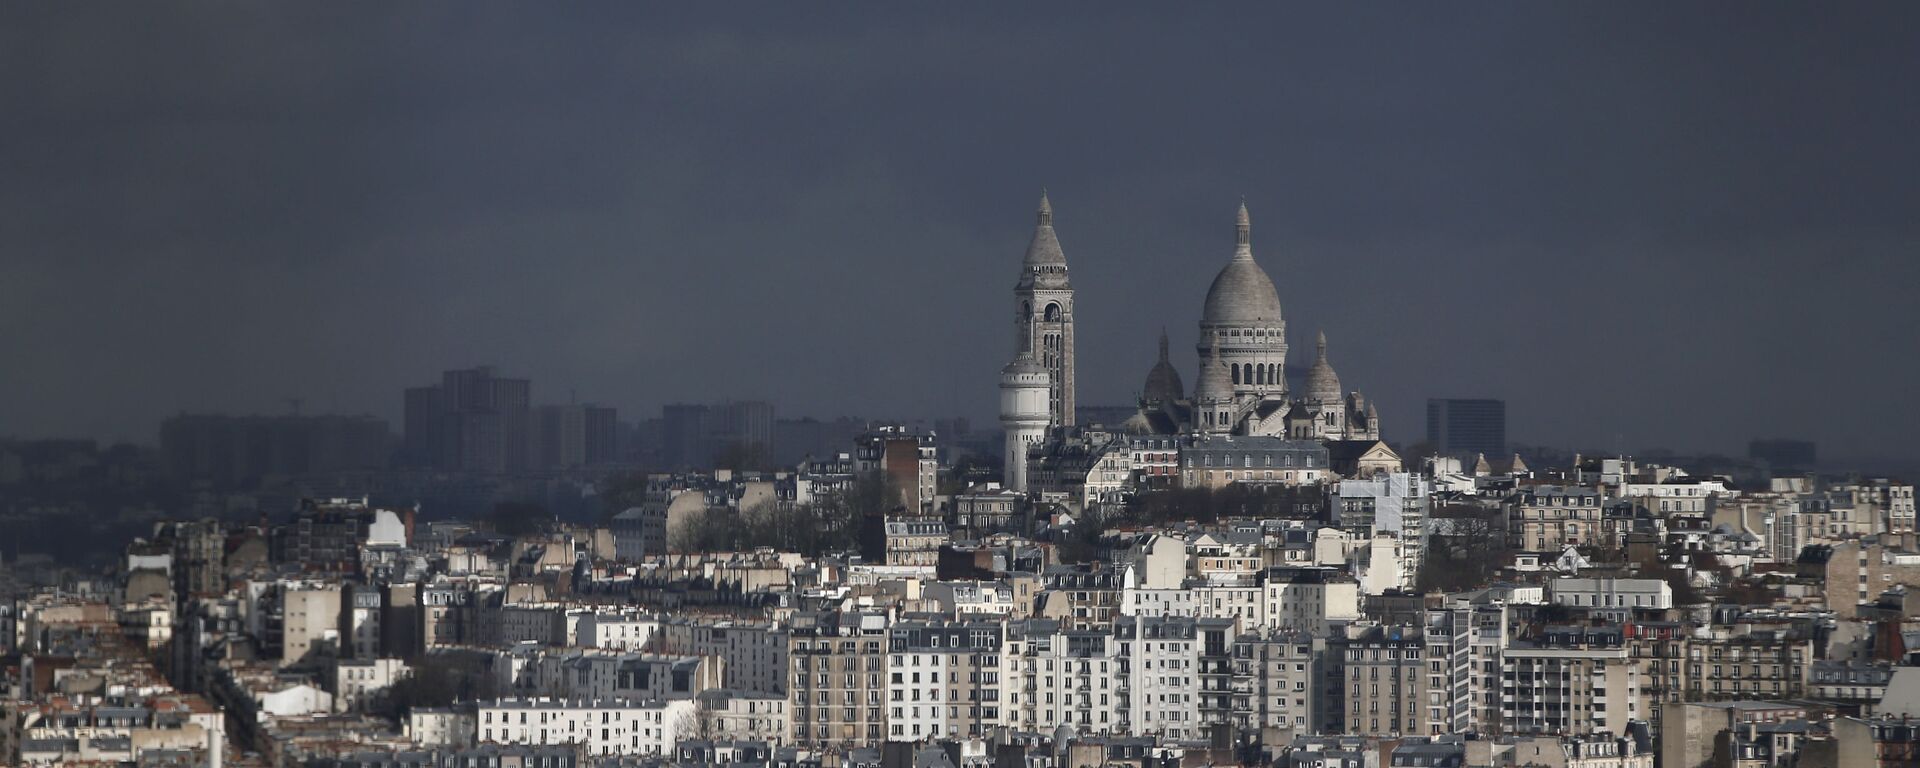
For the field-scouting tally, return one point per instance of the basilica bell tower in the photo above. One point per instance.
(1043, 306)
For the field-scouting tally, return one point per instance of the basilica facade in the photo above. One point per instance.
(1241, 387)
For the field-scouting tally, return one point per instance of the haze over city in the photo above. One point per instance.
(1640, 225)
(964, 385)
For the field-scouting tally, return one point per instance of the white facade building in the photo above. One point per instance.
(1675, 495)
(1058, 677)
(356, 682)
(1607, 593)
(1312, 600)
(1160, 676)
(616, 631)
(601, 727)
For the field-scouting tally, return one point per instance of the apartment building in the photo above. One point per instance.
(1573, 681)
(1159, 664)
(1548, 518)
(1465, 646)
(1276, 690)
(838, 687)
(1057, 676)
(755, 655)
(1384, 669)
(600, 727)
(943, 679)
(1313, 600)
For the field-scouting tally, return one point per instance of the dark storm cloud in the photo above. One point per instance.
(1641, 224)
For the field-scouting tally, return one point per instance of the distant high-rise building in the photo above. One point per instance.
(1784, 454)
(685, 436)
(425, 411)
(1465, 426)
(568, 436)
(746, 428)
(602, 434)
(230, 451)
(696, 436)
(473, 422)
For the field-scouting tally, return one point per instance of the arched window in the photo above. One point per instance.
(1053, 313)
(1236, 373)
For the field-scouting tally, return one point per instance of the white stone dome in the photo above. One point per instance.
(1242, 294)
(1322, 383)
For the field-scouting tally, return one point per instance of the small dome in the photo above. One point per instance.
(1163, 381)
(1322, 383)
(1023, 364)
(1242, 294)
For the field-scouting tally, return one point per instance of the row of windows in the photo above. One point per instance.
(1250, 476)
(545, 716)
(1266, 460)
(1565, 501)
(1258, 374)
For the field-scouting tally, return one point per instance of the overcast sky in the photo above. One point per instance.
(1641, 224)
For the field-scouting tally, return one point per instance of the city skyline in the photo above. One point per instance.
(978, 385)
(1626, 267)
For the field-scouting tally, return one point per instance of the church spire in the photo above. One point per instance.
(1243, 231)
(1044, 249)
(1163, 345)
